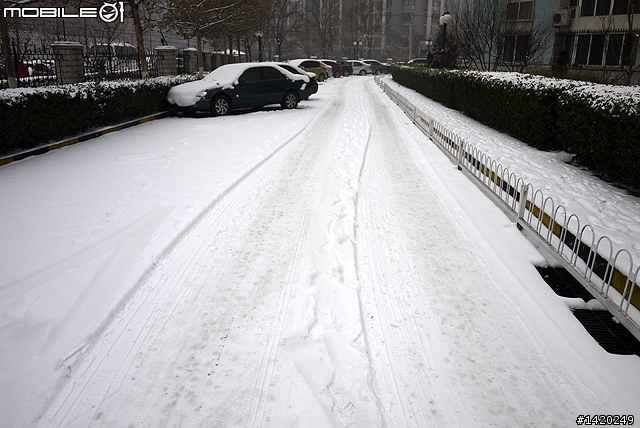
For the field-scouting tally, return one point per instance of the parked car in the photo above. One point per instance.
(376, 66)
(336, 69)
(241, 85)
(311, 87)
(327, 67)
(347, 69)
(312, 65)
(360, 68)
(40, 67)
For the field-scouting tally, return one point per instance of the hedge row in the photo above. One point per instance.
(32, 117)
(599, 124)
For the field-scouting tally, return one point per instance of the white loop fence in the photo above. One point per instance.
(610, 278)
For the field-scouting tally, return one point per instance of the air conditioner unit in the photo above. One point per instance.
(561, 18)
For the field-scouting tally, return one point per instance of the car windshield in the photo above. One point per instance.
(226, 73)
(289, 68)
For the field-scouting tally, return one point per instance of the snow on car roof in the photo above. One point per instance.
(225, 76)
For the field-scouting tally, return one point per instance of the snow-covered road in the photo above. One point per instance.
(349, 276)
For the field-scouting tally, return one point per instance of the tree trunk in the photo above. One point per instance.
(199, 43)
(6, 50)
(135, 14)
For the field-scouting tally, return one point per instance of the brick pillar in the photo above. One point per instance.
(69, 62)
(190, 60)
(167, 65)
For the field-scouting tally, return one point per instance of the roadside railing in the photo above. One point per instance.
(609, 275)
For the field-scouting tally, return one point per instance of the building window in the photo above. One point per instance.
(590, 50)
(516, 48)
(519, 11)
(607, 7)
(619, 49)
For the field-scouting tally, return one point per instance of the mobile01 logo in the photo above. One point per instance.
(108, 12)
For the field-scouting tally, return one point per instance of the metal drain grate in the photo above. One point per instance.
(563, 283)
(611, 335)
(601, 325)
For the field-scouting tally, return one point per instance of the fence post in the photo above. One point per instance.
(69, 62)
(523, 201)
(167, 65)
(190, 60)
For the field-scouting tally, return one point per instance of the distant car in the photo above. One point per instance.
(347, 69)
(419, 61)
(312, 86)
(376, 66)
(312, 65)
(360, 68)
(336, 69)
(42, 68)
(241, 85)
(328, 68)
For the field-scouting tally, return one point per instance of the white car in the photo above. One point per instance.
(360, 67)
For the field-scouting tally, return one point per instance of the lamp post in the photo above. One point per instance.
(259, 35)
(445, 19)
(355, 45)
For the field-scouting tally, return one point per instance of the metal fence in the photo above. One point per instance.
(37, 67)
(106, 65)
(609, 275)
(33, 66)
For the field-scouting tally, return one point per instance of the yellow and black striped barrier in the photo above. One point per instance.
(44, 149)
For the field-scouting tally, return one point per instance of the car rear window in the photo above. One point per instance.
(270, 73)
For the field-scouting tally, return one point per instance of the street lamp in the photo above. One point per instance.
(445, 19)
(259, 35)
(356, 44)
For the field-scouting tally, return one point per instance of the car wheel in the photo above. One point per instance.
(290, 100)
(220, 106)
(346, 74)
(378, 72)
(321, 78)
(363, 73)
(336, 74)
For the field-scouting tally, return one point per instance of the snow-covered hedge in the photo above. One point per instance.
(600, 124)
(30, 117)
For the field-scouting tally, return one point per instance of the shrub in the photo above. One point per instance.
(600, 124)
(30, 117)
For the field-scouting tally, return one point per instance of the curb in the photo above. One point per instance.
(44, 149)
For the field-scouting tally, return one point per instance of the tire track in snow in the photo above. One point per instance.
(390, 325)
(301, 164)
(140, 330)
(140, 307)
(452, 343)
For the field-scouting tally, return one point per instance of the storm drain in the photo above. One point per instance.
(601, 325)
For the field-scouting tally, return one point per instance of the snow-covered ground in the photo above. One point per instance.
(326, 266)
(609, 209)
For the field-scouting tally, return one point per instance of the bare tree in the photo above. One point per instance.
(477, 29)
(283, 19)
(196, 18)
(523, 44)
(323, 17)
